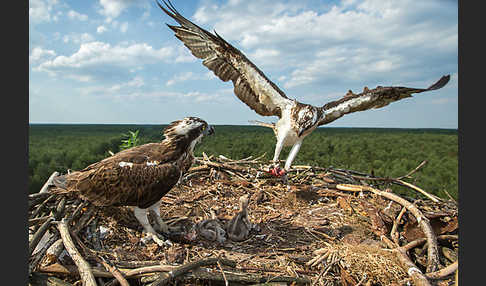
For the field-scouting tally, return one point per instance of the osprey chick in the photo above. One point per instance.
(139, 176)
(296, 120)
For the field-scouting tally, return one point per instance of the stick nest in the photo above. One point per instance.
(315, 230)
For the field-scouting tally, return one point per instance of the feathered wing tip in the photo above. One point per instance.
(175, 15)
(440, 83)
(261, 123)
(375, 98)
(264, 124)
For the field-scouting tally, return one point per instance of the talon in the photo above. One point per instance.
(156, 239)
(277, 172)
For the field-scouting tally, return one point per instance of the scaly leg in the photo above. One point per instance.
(278, 149)
(162, 225)
(293, 153)
(288, 162)
(276, 171)
(141, 215)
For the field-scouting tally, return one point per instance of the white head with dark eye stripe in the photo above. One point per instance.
(190, 129)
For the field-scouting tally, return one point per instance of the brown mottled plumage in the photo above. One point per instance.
(296, 120)
(139, 176)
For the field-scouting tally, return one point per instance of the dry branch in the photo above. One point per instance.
(116, 273)
(444, 271)
(190, 266)
(39, 234)
(432, 253)
(393, 232)
(83, 266)
(48, 182)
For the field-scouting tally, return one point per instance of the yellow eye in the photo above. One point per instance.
(204, 127)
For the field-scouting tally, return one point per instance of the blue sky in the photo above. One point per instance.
(115, 61)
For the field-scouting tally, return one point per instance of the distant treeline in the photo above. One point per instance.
(387, 152)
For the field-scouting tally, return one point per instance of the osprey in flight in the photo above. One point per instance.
(139, 176)
(296, 119)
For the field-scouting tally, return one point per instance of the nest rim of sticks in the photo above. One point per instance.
(323, 228)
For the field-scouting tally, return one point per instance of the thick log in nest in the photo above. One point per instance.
(327, 226)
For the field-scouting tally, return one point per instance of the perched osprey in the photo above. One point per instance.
(296, 120)
(139, 176)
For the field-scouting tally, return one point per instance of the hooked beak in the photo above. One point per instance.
(209, 130)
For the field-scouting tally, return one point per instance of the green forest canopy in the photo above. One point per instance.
(387, 152)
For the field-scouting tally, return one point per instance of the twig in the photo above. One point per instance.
(222, 272)
(413, 171)
(39, 234)
(444, 271)
(432, 250)
(83, 266)
(41, 206)
(37, 220)
(116, 273)
(430, 196)
(393, 180)
(421, 241)
(190, 266)
(149, 269)
(393, 233)
(223, 166)
(40, 254)
(408, 266)
(362, 280)
(48, 182)
(323, 272)
(35, 198)
(55, 250)
(450, 197)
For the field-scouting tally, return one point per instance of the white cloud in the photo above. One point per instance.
(135, 82)
(192, 96)
(124, 27)
(111, 9)
(180, 78)
(185, 76)
(315, 50)
(266, 56)
(78, 38)
(94, 56)
(39, 53)
(101, 29)
(131, 87)
(73, 15)
(80, 78)
(132, 91)
(350, 40)
(42, 11)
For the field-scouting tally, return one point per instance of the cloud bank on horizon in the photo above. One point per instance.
(115, 61)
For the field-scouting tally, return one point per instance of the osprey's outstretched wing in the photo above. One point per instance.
(372, 98)
(228, 63)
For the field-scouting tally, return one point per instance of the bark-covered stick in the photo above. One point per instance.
(83, 266)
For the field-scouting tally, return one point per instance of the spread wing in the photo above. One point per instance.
(372, 98)
(250, 84)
